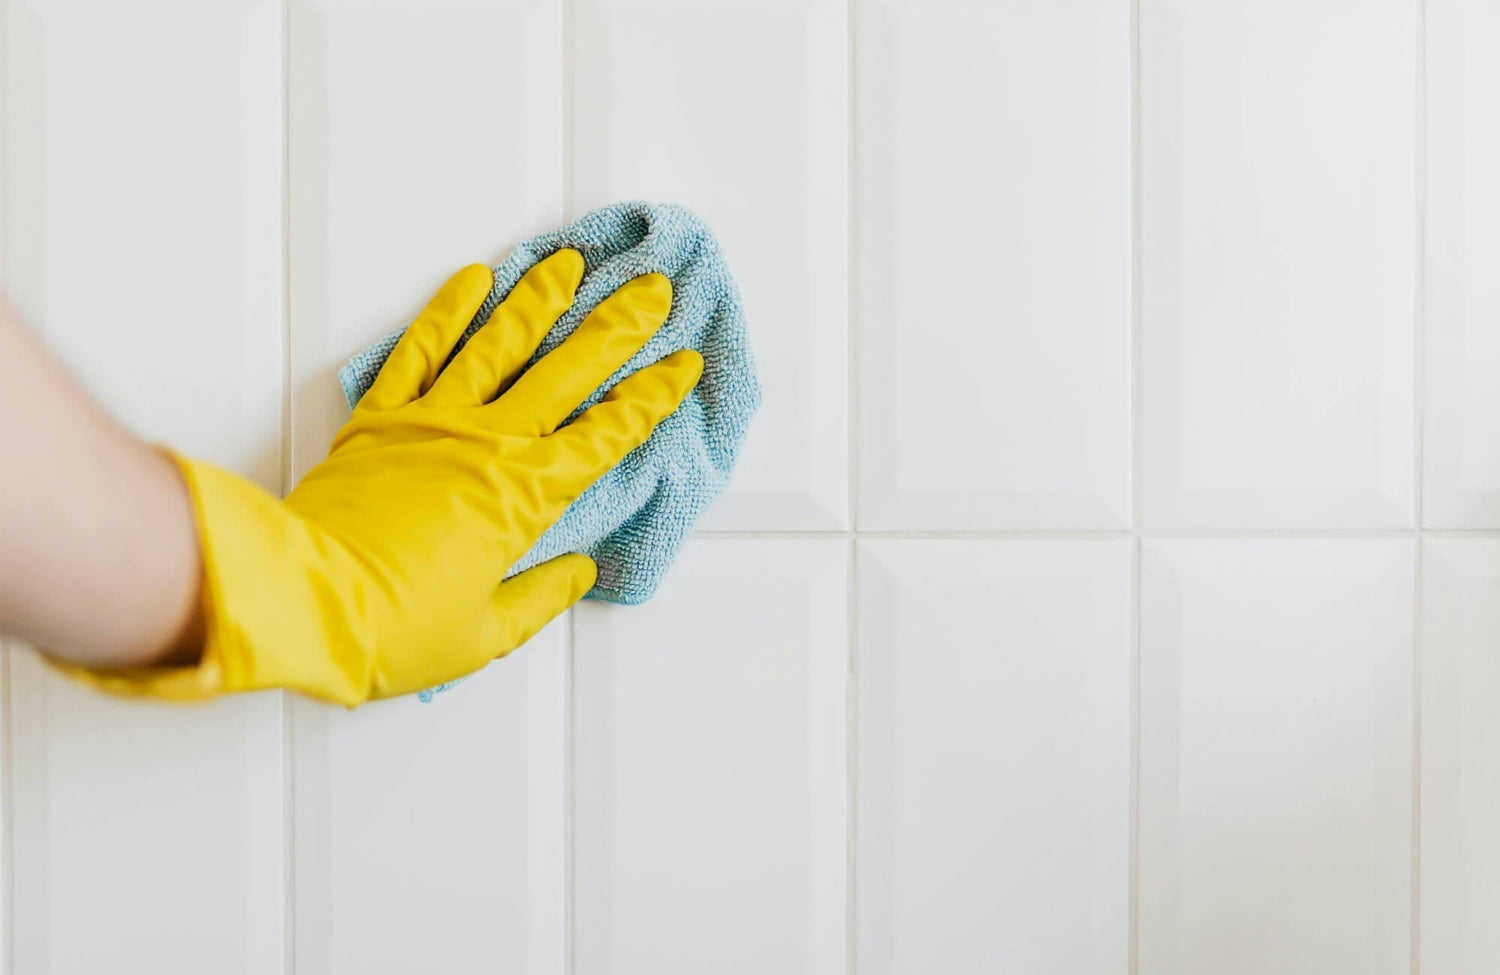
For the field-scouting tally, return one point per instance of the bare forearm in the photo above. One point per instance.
(98, 555)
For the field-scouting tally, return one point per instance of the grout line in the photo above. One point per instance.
(1419, 598)
(1085, 534)
(570, 817)
(1419, 434)
(1137, 428)
(287, 426)
(786, 535)
(851, 760)
(287, 705)
(852, 456)
(567, 42)
(1419, 270)
(289, 833)
(852, 425)
(1137, 502)
(1133, 855)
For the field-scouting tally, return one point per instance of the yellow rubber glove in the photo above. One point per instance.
(381, 573)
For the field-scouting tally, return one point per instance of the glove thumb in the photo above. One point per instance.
(529, 601)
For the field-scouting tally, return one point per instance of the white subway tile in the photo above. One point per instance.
(430, 837)
(1277, 260)
(993, 815)
(1276, 756)
(709, 795)
(992, 242)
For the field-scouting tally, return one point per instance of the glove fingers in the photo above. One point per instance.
(497, 353)
(613, 427)
(546, 393)
(422, 350)
(530, 600)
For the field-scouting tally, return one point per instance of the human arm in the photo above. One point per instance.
(99, 559)
(381, 573)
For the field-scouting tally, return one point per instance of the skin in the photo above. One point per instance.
(99, 557)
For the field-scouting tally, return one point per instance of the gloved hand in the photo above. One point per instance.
(381, 573)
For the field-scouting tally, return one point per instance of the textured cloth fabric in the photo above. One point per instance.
(633, 521)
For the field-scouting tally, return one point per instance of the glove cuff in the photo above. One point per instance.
(268, 608)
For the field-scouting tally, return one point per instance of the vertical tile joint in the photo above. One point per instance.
(1419, 401)
(570, 816)
(567, 42)
(852, 453)
(1137, 503)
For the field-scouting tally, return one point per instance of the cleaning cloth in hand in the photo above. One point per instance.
(633, 521)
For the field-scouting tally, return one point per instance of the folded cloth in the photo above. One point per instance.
(633, 521)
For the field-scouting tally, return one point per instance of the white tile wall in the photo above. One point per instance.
(1109, 585)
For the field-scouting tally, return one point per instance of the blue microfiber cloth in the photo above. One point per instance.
(633, 521)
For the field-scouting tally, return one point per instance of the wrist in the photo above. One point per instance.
(178, 625)
(155, 540)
